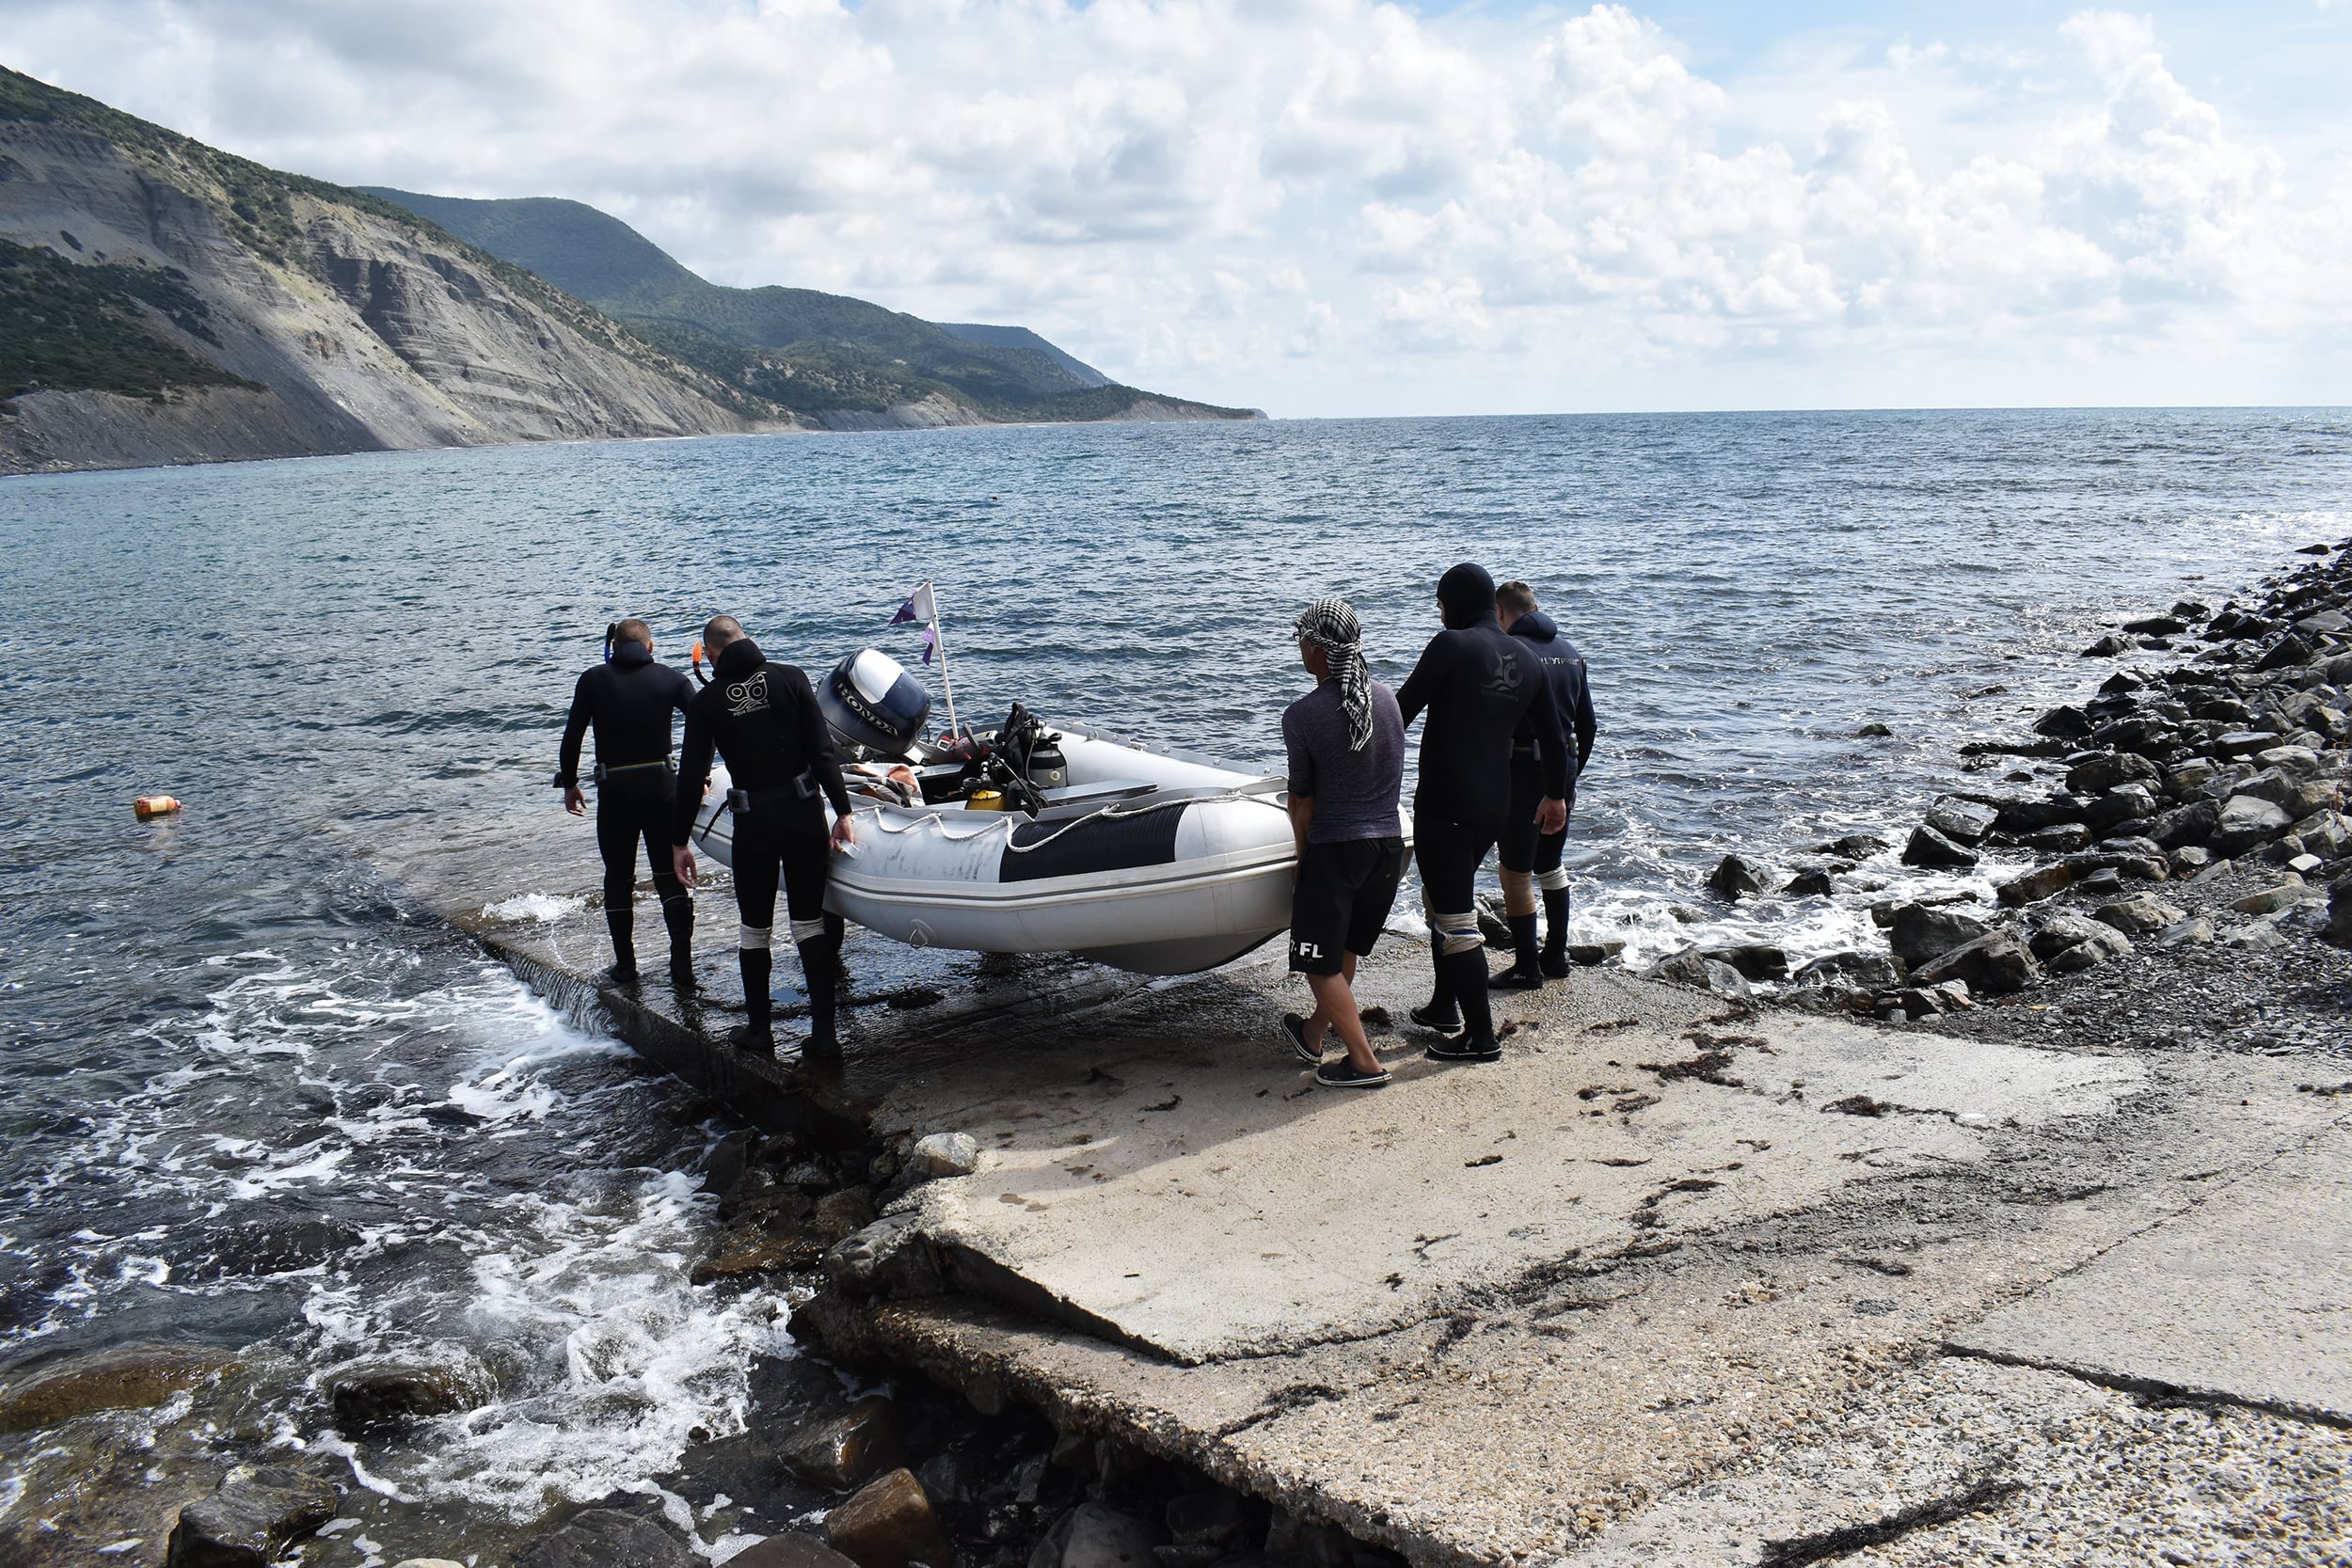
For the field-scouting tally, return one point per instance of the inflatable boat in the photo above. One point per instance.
(1025, 840)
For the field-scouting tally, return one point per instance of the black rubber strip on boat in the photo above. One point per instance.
(1091, 844)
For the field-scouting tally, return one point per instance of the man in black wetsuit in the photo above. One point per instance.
(763, 719)
(629, 700)
(1477, 685)
(1531, 859)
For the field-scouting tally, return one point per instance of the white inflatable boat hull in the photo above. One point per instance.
(1182, 867)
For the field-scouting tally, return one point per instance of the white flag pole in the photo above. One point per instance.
(941, 644)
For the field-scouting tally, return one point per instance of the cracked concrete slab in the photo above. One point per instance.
(1207, 1209)
(1752, 1369)
(2247, 1297)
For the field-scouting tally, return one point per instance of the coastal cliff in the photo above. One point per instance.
(215, 311)
(163, 302)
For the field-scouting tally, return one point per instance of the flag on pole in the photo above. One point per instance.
(923, 606)
(920, 605)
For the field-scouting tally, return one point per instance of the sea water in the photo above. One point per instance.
(259, 1098)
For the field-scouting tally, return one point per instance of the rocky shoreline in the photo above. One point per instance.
(2191, 863)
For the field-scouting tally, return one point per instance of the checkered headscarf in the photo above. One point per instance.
(1331, 625)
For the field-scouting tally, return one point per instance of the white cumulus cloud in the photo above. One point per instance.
(1331, 206)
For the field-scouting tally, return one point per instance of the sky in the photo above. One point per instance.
(1335, 207)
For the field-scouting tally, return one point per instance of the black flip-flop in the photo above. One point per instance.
(1343, 1074)
(1427, 1020)
(1294, 1030)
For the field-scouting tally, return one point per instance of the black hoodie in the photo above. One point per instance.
(763, 719)
(1572, 694)
(629, 702)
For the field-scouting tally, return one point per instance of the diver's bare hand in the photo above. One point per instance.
(1552, 817)
(844, 833)
(574, 801)
(682, 862)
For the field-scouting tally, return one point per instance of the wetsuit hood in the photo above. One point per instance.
(1536, 626)
(629, 653)
(739, 657)
(1467, 596)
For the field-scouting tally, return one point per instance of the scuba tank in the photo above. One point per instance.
(1048, 768)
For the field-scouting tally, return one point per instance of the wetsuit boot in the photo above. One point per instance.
(1522, 975)
(1476, 1042)
(678, 914)
(1554, 961)
(757, 1034)
(820, 959)
(620, 919)
(1441, 1012)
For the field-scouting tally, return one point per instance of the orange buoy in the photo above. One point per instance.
(154, 805)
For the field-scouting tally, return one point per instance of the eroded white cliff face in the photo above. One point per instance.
(364, 332)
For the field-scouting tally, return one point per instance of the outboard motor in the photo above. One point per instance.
(870, 701)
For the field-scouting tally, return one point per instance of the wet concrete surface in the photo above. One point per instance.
(1773, 1279)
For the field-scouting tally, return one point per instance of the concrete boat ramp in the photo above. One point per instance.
(1676, 1281)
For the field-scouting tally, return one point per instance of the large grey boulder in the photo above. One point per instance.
(2043, 881)
(945, 1154)
(2025, 816)
(2103, 773)
(1736, 876)
(2068, 941)
(1961, 820)
(1754, 961)
(2139, 916)
(842, 1445)
(374, 1397)
(2325, 833)
(1920, 933)
(1691, 967)
(2247, 822)
(1993, 964)
(891, 1258)
(1849, 970)
(2128, 802)
(1932, 849)
(1093, 1536)
(2193, 823)
(251, 1521)
(2295, 795)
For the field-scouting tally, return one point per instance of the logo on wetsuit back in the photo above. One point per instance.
(1504, 679)
(747, 696)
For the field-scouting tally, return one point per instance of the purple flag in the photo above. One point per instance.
(920, 605)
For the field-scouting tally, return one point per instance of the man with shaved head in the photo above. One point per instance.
(764, 720)
(627, 700)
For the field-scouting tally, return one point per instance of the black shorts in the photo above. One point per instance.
(1522, 848)
(1341, 902)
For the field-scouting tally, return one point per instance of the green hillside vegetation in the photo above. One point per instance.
(256, 205)
(71, 328)
(800, 348)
